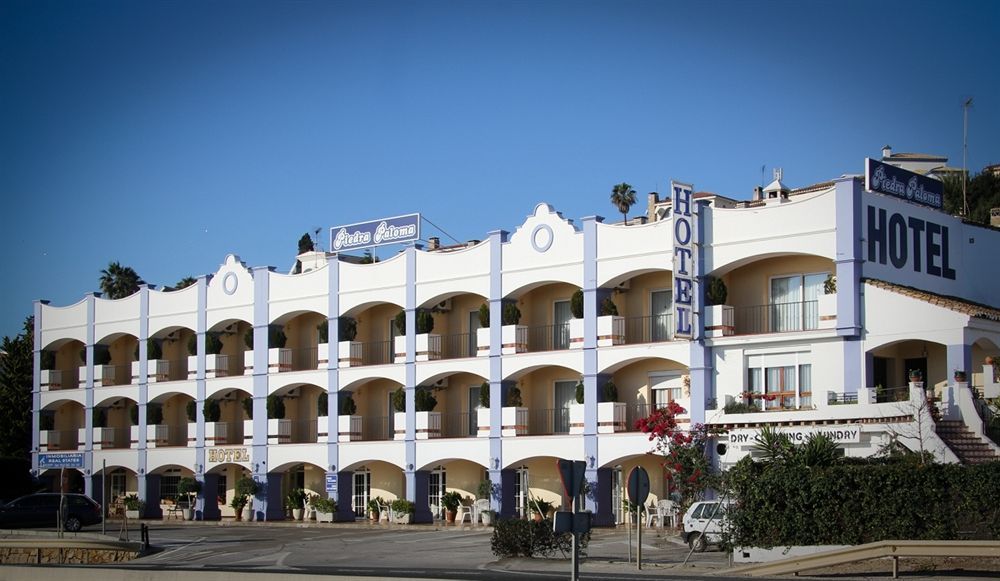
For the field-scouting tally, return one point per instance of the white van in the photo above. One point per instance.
(703, 523)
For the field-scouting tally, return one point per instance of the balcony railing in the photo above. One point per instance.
(892, 394)
(991, 420)
(305, 358)
(454, 346)
(113, 375)
(548, 337)
(111, 438)
(56, 379)
(63, 439)
(376, 428)
(166, 435)
(374, 352)
(548, 421)
(459, 425)
(777, 318)
(635, 412)
(297, 431)
(649, 329)
(226, 433)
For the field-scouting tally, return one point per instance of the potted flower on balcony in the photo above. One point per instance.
(348, 350)
(296, 499)
(719, 317)
(451, 501)
(428, 345)
(245, 489)
(610, 411)
(325, 508)
(133, 506)
(349, 424)
(483, 412)
(188, 487)
(428, 421)
(402, 511)
(514, 416)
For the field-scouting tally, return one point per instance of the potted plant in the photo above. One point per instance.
(826, 303)
(428, 345)
(348, 350)
(488, 516)
(483, 413)
(296, 499)
(399, 417)
(576, 411)
(514, 416)
(451, 501)
(276, 421)
(133, 506)
(576, 323)
(349, 424)
(212, 413)
(483, 332)
(960, 376)
(610, 411)
(189, 488)
(248, 354)
(279, 359)
(513, 336)
(325, 508)
(156, 370)
(916, 376)
(402, 511)
(540, 509)
(719, 317)
(245, 489)
(375, 508)
(428, 421)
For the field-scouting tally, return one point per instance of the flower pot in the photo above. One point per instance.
(483, 422)
(349, 428)
(483, 341)
(513, 339)
(576, 333)
(428, 347)
(132, 514)
(487, 517)
(324, 516)
(248, 513)
(373, 515)
(349, 353)
(188, 513)
(449, 516)
(610, 330)
(514, 421)
(322, 356)
(297, 513)
(248, 362)
(576, 418)
(428, 425)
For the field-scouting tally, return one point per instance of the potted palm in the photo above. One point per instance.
(719, 317)
(483, 332)
(349, 424)
(133, 506)
(188, 487)
(428, 345)
(451, 501)
(246, 488)
(296, 499)
(428, 421)
(156, 368)
(348, 350)
(483, 413)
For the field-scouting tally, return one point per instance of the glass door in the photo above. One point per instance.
(812, 288)
(560, 328)
(786, 292)
(472, 347)
(521, 491)
(362, 490)
(659, 320)
(565, 396)
(436, 483)
(474, 406)
(391, 420)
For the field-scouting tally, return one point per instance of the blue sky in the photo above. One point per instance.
(165, 135)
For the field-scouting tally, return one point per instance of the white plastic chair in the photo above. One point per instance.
(478, 507)
(383, 514)
(463, 512)
(664, 509)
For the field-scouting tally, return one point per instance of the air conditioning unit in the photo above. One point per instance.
(443, 307)
(624, 285)
(443, 382)
(292, 394)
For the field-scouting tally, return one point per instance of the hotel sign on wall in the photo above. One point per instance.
(228, 455)
(684, 268)
(375, 233)
(904, 184)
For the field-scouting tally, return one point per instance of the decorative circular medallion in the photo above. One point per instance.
(229, 283)
(541, 237)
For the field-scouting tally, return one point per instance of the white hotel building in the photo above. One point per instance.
(916, 289)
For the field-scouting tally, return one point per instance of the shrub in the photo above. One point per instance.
(154, 414)
(245, 488)
(610, 391)
(740, 407)
(514, 397)
(296, 498)
(399, 400)
(323, 404)
(511, 315)
(484, 394)
(608, 307)
(100, 417)
(347, 406)
(402, 506)
(153, 350)
(192, 410)
(132, 502)
(323, 330)
(576, 304)
(276, 337)
(322, 504)
(213, 345)
(485, 489)
(484, 315)
(347, 329)
(425, 321)
(212, 411)
(425, 400)
(275, 407)
(526, 538)
(248, 338)
(192, 345)
(579, 392)
(450, 500)
(48, 360)
(248, 407)
(188, 486)
(716, 292)
(133, 415)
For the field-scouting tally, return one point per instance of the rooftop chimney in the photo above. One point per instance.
(433, 243)
(886, 152)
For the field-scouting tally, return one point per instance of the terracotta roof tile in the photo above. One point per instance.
(963, 306)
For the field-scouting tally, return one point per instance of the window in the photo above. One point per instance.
(659, 323)
(436, 483)
(794, 302)
(117, 484)
(667, 387)
(565, 396)
(362, 490)
(560, 330)
(521, 490)
(220, 489)
(779, 381)
(168, 486)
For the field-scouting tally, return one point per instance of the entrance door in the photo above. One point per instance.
(362, 490)
(786, 292)
(565, 395)
(521, 491)
(617, 485)
(659, 321)
(560, 328)
(436, 483)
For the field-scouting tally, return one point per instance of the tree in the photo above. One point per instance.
(983, 193)
(687, 468)
(183, 283)
(623, 198)
(16, 368)
(368, 257)
(118, 282)
(306, 243)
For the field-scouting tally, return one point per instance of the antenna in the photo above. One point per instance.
(965, 154)
(316, 239)
(762, 168)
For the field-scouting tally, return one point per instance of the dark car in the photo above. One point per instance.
(42, 510)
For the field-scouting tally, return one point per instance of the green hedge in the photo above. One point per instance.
(527, 538)
(782, 505)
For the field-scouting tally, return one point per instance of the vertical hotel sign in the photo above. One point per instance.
(684, 272)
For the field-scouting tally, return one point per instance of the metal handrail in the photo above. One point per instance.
(777, 318)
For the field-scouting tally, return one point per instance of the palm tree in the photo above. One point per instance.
(182, 283)
(118, 282)
(623, 197)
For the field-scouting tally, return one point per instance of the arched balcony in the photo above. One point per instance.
(116, 424)
(367, 335)
(61, 365)
(302, 331)
(62, 425)
(226, 419)
(113, 357)
(167, 356)
(298, 421)
(170, 421)
(367, 412)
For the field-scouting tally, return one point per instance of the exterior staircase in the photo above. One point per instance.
(969, 448)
